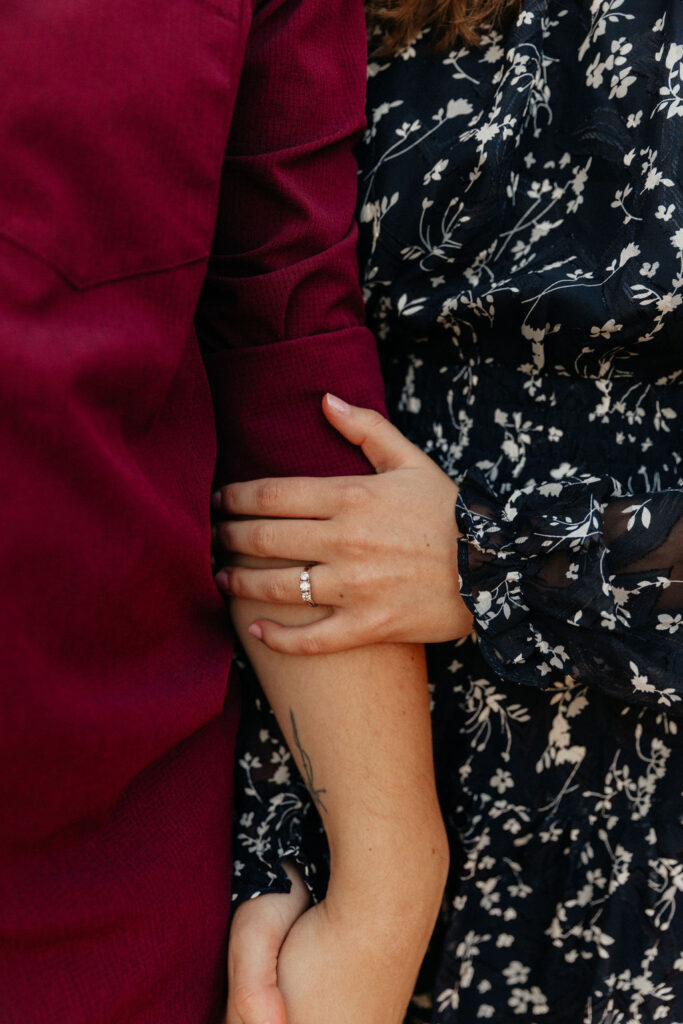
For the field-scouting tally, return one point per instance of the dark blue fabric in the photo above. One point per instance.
(522, 258)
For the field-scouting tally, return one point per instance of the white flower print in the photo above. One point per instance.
(672, 92)
(501, 781)
(516, 973)
(528, 1001)
(670, 623)
(521, 249)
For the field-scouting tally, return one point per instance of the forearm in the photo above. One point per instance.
(357, 724)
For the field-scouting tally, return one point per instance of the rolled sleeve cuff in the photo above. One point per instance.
(267, 401)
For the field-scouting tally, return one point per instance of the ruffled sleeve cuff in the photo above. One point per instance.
(550, 599)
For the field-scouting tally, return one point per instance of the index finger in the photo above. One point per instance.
(295, 497)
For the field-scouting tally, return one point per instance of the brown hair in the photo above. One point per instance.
(393, 23)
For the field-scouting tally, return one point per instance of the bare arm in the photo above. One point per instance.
(357, 723)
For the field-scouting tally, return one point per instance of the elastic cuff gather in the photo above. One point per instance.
(529, 563)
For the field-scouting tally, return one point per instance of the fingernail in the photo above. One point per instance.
(222, 580)
(338, 403)
(256, 631)
(215, 499)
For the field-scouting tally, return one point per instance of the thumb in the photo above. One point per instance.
(253, 995)
(384, 445)
(256, 935)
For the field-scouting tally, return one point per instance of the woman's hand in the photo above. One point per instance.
(383, 547)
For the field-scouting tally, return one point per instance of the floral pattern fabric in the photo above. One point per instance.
(566, 577)
(522, 254)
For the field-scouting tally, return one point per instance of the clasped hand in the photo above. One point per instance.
(356, 963)
(383, 547)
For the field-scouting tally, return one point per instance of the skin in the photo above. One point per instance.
(357, 723)
(383, 547)
(292, 965)
(258, 930)
(353, 958)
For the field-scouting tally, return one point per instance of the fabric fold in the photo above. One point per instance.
(572, 578)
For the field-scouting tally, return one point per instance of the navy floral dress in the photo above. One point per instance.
(522, 253)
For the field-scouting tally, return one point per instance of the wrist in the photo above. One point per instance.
(393, 912)
(390, 876)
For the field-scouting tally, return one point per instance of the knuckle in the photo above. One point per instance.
(350, 544)
(245, 997)
(310, 644)
(355, 495)
(360, 543)
(237, 587)
(268, 494)
(223, 535)
(374, 419)
(262, 538)
(274, 590)
(355, 577)
(228, 497)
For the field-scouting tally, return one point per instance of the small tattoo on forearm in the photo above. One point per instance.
(307, 765)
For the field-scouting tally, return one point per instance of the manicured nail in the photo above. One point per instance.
(338, 403)
(216, 499)
(256, 631)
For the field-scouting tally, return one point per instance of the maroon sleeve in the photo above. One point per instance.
(280, 320)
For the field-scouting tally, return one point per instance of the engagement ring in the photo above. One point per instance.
(305, 586)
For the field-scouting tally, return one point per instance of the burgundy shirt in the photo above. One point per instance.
(128, 133)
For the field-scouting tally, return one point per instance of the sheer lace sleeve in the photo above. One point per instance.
(574, 578)
(275, 819)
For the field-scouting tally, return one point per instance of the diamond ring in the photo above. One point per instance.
(305, 586)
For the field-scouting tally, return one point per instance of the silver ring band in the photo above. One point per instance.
(305, 585)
